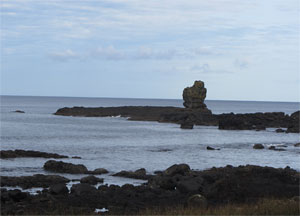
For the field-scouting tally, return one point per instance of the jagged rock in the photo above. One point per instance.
(258, 146)
(296, 115)
(62, 167)
(91, 180)
(194, 96)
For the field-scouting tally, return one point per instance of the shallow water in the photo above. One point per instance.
(118, 144)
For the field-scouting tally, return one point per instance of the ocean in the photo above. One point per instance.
(116, 144)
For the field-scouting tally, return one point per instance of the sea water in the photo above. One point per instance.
(116, 144)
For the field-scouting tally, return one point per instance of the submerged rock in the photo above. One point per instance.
(19, 111)
(297, 145)
(62, 167)
(98, 171)
(211, 148)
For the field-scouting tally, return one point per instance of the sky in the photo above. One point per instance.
(242, 50)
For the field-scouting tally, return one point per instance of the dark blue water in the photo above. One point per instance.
(117, 144)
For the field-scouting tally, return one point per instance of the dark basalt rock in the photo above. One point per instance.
(98, 171)
(279, 130)
(62, 167)
(177, 169)
(138, 174)
(37, 180)
(91, 180)
(59, 189)
(19, 111)
(217, 186)
(4, 154)
(187, 125)
(258, 146)
(211, 148)
(83, 189)
(297, 145)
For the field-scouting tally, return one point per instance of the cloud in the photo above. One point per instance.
(241, 63)
(205, 68)
(64, 55)
(109, 53)
(149, 53)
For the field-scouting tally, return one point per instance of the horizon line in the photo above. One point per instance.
(138, 98)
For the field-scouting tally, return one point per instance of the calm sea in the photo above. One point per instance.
(118, 144)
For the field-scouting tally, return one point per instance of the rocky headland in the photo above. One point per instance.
(194, 113)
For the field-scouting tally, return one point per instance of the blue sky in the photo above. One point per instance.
(242, 50)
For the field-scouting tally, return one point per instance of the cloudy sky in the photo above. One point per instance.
(241, 49)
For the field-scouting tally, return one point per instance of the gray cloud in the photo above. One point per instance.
(241, 63)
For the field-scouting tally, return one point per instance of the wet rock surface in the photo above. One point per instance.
(38, 180)
(177, 185)
(91, 180)
(4, 154)
(258, 146)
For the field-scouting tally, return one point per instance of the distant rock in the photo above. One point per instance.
(19, 111)
(62, 167)
(187, 125)
(297, 145)
(280, 130)
(211, 148)
(258, 146)
(28, 153)
(194, 96)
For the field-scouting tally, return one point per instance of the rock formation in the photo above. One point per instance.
(194, 96)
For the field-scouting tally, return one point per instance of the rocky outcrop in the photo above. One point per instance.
(37, 180)
(62, 167)
(194, 96)
(98, 171)
(4, 154)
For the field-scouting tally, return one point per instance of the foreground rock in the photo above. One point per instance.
(176, 186)
(37, 180)
(4, 154)
(62, 167)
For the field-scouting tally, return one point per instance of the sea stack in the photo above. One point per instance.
(194, 96)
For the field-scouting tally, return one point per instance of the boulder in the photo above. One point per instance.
(91, 180)
(59, 189)
(190, 185)
(194, 96)
(83, 189)
(180, 169)
(62, 167)
(258, 146)
(197, 200)
(296, 115)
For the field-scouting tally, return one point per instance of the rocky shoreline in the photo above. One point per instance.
(177, 185)
(194, 113)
